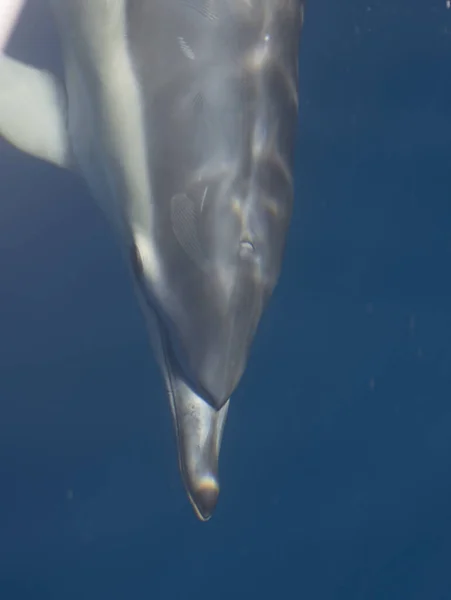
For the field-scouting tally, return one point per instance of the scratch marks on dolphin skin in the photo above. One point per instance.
(203, 7)
(186, 48)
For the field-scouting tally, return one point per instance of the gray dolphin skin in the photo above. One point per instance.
(181, 115)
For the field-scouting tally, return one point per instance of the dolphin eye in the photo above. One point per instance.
(137, 262)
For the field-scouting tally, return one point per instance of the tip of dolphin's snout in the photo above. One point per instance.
(205, 497)
(199, 429)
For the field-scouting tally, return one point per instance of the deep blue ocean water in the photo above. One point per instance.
(336, 460)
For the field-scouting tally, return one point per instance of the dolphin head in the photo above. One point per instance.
(218, 91)
(218, 261)
(219, 258)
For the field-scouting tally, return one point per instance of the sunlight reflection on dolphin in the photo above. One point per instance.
(181, 116)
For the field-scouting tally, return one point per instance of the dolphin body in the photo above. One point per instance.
(181, 116)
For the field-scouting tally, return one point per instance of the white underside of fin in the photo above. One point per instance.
(32, 111)
(9, 14)
(106, 120)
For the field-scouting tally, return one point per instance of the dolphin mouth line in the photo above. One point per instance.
(207, 487)
(168, 365)
(171, 393)
(198, 424)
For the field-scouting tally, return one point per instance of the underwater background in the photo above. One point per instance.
(336, 459)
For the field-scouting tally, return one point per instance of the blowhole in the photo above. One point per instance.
(246, 247)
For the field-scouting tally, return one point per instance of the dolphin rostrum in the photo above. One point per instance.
(181, 116)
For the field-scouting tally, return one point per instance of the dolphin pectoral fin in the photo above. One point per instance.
(199, 429)
(9, 14)
(32, 111)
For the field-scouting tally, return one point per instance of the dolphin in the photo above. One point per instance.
(181, 116)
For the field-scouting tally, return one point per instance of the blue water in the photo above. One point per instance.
(335, 466)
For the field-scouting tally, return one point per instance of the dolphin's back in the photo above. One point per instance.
(218, 73)
(218, 82)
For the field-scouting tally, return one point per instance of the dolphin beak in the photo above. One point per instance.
(199, 429)
(198, 425)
